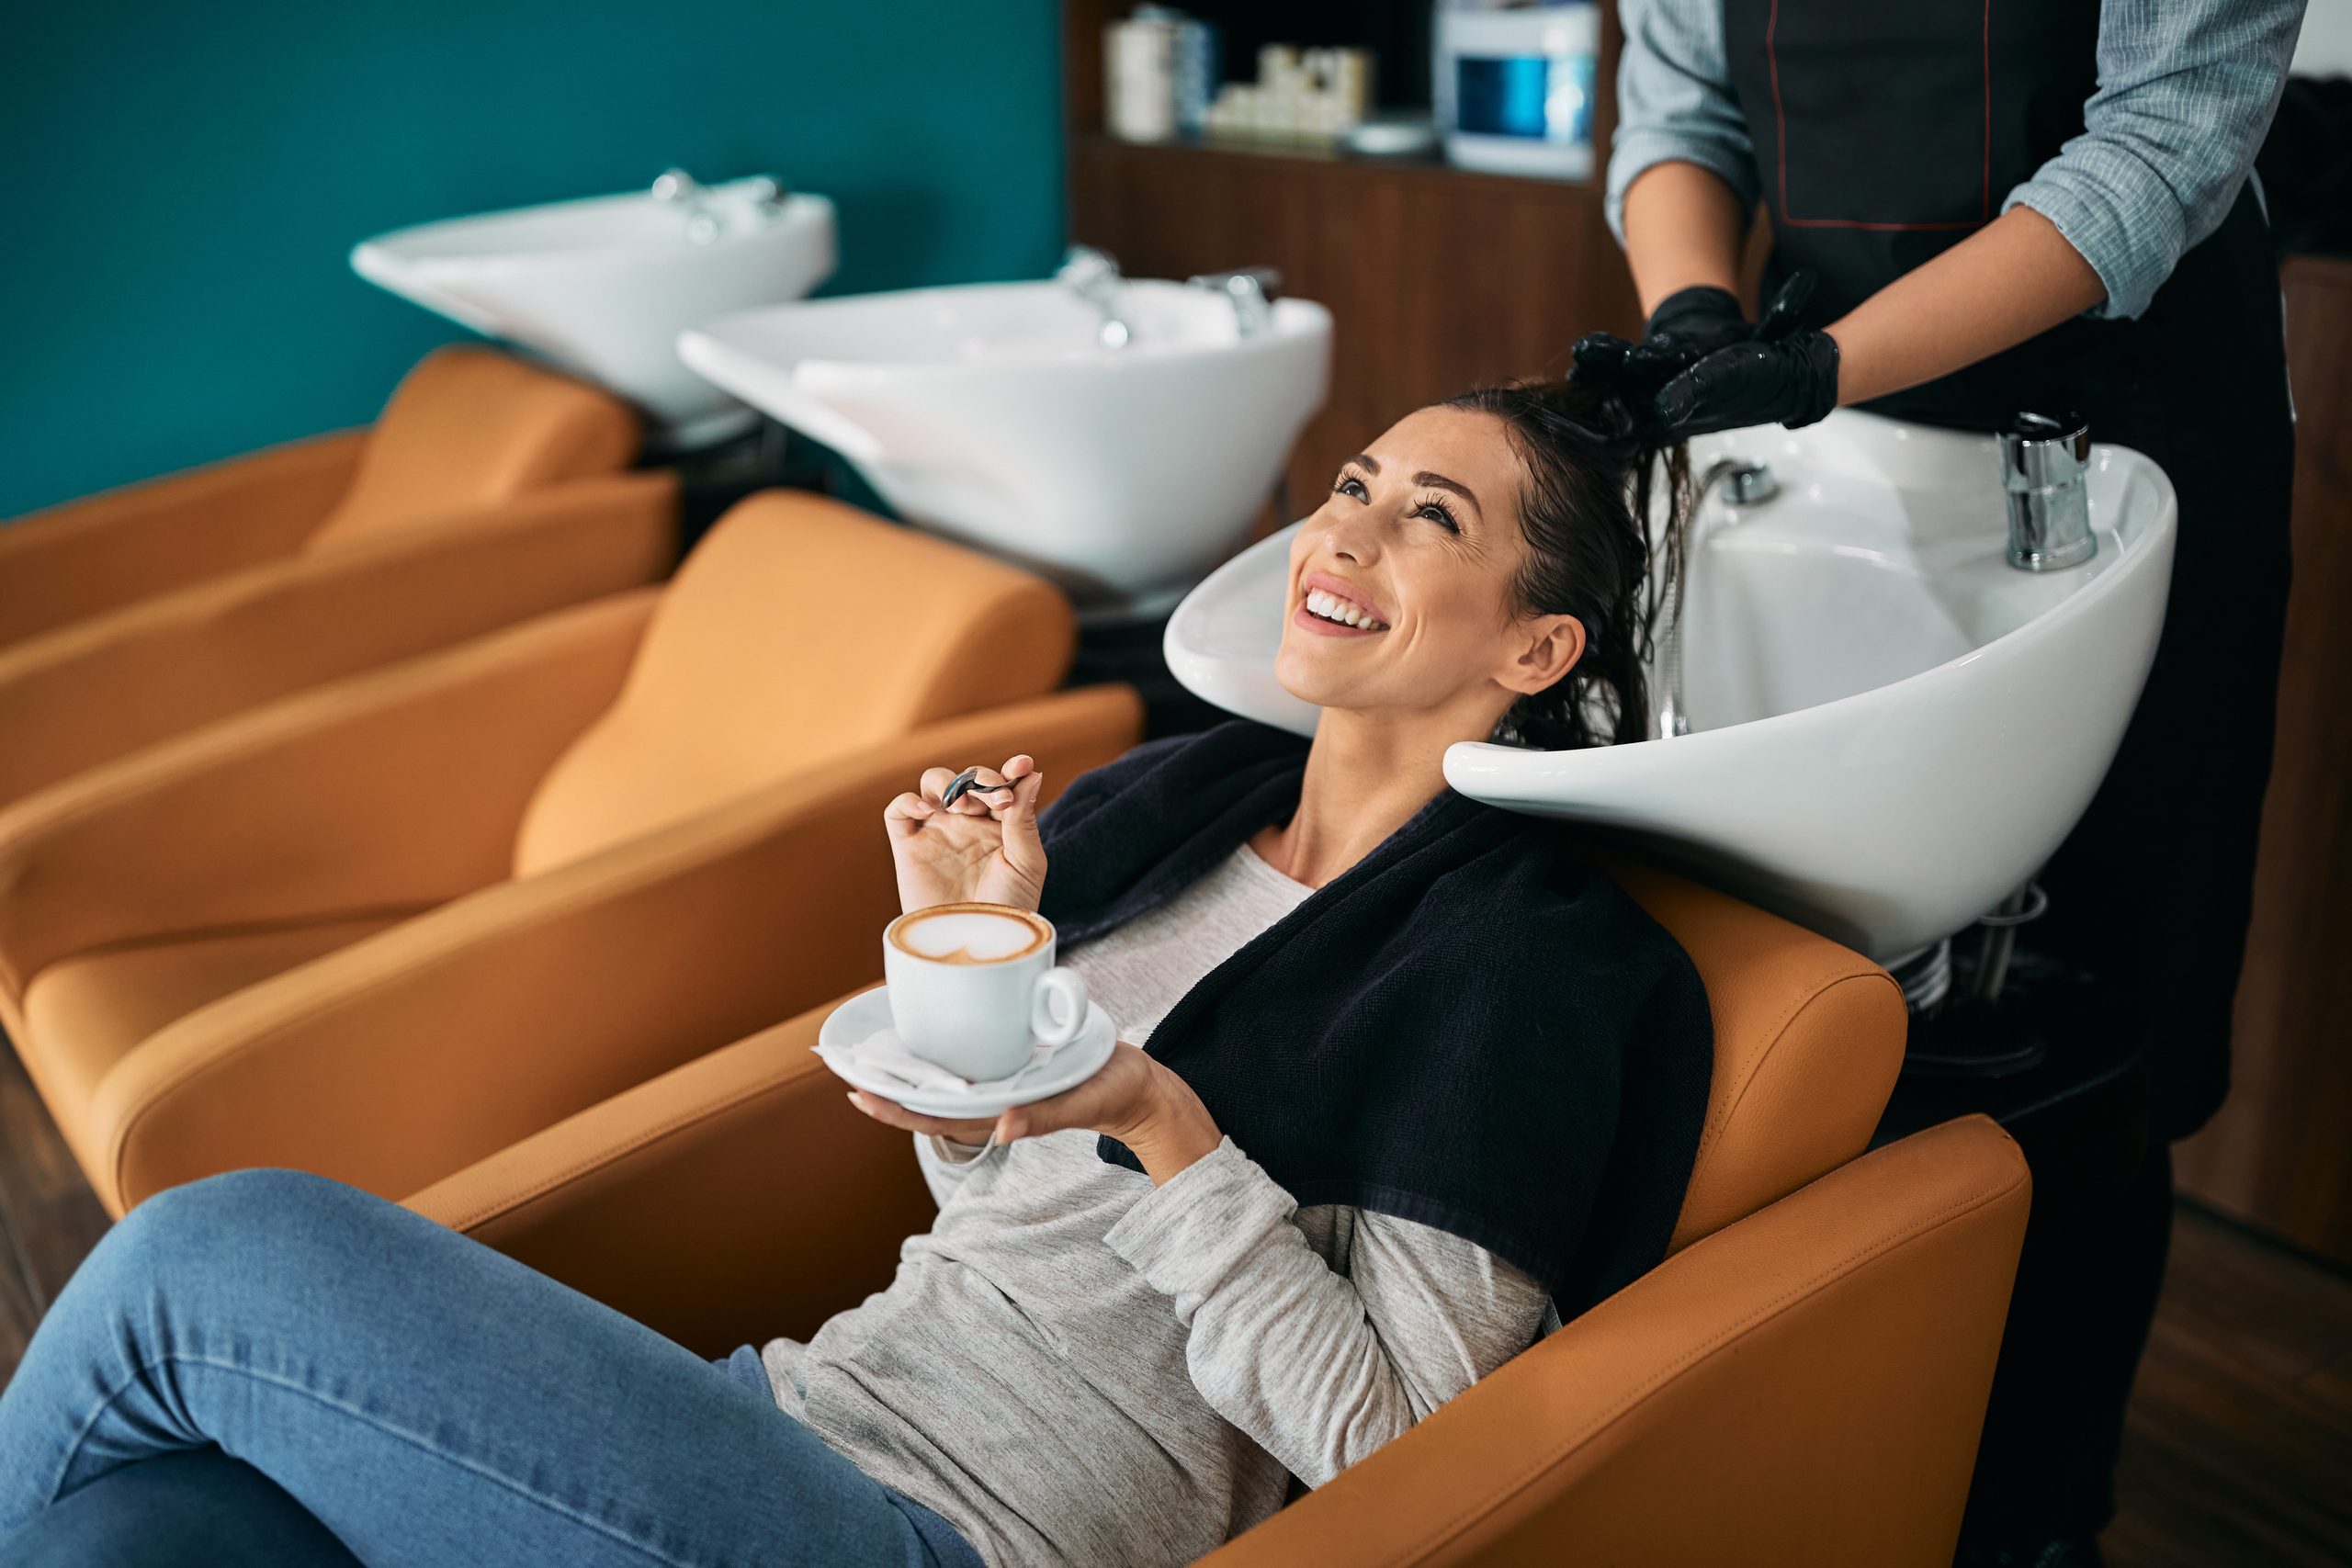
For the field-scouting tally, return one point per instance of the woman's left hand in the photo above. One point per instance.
(1133, 1098)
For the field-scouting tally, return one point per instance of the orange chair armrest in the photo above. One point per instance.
(101, 689)
(437, 1043)
(1803, 1386)
(88, 557)
(389, 790)
(730, 1200)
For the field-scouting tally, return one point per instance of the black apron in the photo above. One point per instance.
(1886, 133)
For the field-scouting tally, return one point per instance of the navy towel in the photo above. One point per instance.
(1469, 1029)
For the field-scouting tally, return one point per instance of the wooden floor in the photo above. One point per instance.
(2239, 1448)
(48, 1218)
(2239, 1453)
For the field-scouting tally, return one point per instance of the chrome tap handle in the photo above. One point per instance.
(1088, 270)
(1744, 481)
(1252, 291)
(2044, 463)
(1094, 277)
(677, 189)
(677, 185)
(1265, 281)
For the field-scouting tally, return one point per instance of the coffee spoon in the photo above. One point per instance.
(963, 784)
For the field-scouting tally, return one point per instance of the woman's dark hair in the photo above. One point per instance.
(1592, 543)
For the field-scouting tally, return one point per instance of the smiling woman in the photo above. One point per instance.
(1392, 1077)
(1396, 1084)
(1541, 596)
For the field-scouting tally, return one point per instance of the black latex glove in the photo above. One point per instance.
(1702, 318)
(1686, 326)
(1792, 381)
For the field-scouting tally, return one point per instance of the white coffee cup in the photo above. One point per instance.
(973, 987)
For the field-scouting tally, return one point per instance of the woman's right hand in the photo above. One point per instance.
(983, 848)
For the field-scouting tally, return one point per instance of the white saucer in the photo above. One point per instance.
(1051, 1069)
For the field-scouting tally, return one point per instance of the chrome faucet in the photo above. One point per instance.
(2043, 461)
(1252, 291)
(677, 189)
(1093, 276)
(1745, 481)
(770, 199)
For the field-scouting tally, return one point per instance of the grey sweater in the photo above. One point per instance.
(1074, 1367)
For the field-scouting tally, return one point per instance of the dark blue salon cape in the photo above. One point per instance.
(1468, 1028)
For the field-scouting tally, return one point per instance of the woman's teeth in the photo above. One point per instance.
(1332, 608)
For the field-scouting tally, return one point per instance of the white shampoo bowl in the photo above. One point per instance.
(1892, 729)
(602, 287)
(991, 413)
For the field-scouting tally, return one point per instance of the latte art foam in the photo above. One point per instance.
(967, 933)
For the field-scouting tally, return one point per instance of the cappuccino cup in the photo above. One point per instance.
(973, 987)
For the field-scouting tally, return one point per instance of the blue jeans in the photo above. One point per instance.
(425, 1399)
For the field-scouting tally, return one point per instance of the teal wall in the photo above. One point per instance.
(185, 181)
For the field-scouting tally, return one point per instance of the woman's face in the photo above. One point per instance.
(1400, 583)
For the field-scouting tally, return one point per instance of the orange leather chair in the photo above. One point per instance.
(488, 492)
(1801, 1384)
(387, 927)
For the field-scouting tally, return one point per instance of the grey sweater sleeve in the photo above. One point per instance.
(1318, 1368)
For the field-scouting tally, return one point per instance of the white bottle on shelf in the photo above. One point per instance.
(1140, 79)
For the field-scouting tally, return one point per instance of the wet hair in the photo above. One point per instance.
(1597, 548)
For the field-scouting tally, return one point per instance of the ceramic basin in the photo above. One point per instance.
(991, 413)
(603, 286)
(1892, 729)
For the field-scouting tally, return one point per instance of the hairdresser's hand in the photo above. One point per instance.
(984, 848)
(1689, 325)
(1792, 382)
(1686, 326)
(1133, 1098)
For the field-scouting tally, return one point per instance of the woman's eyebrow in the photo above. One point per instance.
(1363, 460)
(1442, 482)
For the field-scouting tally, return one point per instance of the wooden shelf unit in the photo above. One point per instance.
(1436, 278)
